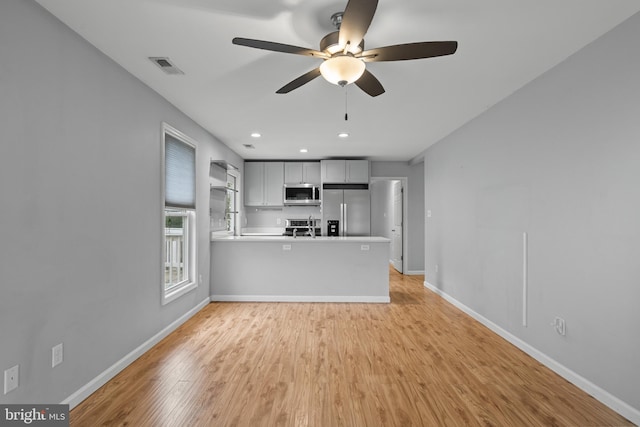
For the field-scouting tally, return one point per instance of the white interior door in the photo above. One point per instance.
(396, 228)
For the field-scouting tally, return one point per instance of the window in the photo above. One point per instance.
(179, 213)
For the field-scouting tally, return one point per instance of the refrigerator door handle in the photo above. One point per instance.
(340, 230)
(346, 226)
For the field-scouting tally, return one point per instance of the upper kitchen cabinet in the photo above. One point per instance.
(263, 183)
(302, 172)
(341, 171)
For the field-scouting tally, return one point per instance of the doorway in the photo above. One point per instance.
(397, 225)
(388, 217)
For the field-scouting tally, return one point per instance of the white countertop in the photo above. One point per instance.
(262, 231)
(290, 239)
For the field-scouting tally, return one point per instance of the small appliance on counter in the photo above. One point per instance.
(333, 227)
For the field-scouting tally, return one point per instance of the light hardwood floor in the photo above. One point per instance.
(415, 362)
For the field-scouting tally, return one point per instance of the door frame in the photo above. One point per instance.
(405, 223)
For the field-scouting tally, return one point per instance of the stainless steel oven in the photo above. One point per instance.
(307, 227)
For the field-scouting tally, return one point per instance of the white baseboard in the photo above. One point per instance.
(113, 370)
(300, 298)
(414, 272)
(621, 407)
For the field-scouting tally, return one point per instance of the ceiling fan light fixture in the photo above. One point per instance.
(343, 51)
(342, 69)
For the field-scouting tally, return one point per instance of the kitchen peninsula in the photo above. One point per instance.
(302, 269)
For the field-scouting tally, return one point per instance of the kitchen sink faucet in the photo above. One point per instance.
(312, 227)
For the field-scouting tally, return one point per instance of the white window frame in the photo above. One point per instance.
(171, 293)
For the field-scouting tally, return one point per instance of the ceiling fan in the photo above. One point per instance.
(344, 54)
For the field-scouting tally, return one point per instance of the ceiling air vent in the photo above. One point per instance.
(165, 65)
(249, 146)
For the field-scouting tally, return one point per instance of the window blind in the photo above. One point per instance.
(180, 173)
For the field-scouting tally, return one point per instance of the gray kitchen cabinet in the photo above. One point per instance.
(311, 172)
(357, 171)
(302, 172)
(254, 183)
(274, 183)
(333, 171)
(263, 183)
(345, 171)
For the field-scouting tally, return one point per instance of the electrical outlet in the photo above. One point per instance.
(56, 355)
(364, 247)
(437, 268)
(560, 325)
(278, 221)
(11, 379)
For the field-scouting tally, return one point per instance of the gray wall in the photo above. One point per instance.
(560, 160)
(80, 223)
(381, 207)
(415, 206)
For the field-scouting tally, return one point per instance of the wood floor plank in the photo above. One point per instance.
(417, 361)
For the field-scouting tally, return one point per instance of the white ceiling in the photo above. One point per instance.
(230, 90)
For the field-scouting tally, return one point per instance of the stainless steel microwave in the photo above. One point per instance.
(301, 194)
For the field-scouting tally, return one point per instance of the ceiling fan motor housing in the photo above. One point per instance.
(329, 43)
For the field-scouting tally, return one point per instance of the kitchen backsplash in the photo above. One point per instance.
(275, 217)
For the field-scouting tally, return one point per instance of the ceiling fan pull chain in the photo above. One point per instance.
(346, 114)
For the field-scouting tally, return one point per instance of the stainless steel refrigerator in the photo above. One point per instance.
(348, 204)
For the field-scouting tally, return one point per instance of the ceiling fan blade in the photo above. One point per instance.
(355, 22)
(278, 47)
(368, 83)
(401, 52)
(303, 79)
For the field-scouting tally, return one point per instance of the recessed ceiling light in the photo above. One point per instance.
(304, 150)
(343, 135)
(256, 135)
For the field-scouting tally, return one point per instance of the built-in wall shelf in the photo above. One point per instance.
(223, 164)
(222, 205)
(223, 188)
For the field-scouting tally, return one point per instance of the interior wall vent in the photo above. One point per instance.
(165, 65)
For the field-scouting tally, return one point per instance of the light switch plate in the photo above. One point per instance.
(56, 355)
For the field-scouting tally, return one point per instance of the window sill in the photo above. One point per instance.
(177, 292)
